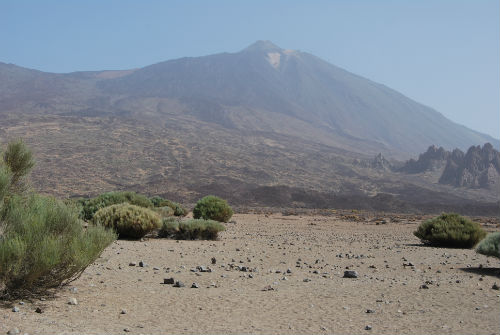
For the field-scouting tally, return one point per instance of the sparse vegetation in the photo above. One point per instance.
(490, 246)
(164, 211)
(169, 228)
(91, 206)
(212, 208)
(194, 229)
(450, 230)
(177, 208)
(42, 243)
(128, 220)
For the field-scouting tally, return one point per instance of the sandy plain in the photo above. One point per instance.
(115, 297)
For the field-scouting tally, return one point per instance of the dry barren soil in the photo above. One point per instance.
(276, 274)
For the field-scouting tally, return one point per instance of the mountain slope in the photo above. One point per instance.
(353, 111)
(244, 125)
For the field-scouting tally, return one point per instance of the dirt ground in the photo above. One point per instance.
(403, 286)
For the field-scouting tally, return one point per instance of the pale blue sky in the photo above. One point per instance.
(444, 54)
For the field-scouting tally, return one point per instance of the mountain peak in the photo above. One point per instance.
(265, 46)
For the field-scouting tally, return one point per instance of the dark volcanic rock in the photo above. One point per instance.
(433, 159)
(478, 168)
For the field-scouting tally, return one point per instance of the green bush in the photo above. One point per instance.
(169, 228)
(194, 229)
(490, 246)
(44, 245)
(128, 220)
(18, 159)
(450, 230)
(164, 211)
(177, 208)
(212, 208)
(91, 206)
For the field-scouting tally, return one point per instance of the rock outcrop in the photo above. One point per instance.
(478, 168)
(431, 160)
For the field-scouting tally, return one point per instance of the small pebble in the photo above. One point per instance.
(15, 309)
(13, 331)
(72, 301)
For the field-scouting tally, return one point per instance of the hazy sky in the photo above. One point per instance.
(444, 54)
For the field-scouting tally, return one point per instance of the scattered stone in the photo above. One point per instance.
(126, 330)
(214, 260)
(368, 327)
(15, 309)
(143, 264)
(424, 287)
(13, 331)
(306, 280)
(72, 301)
(350, 274)
(168, 281)
(132, 264)
(369, 311)
(495, 286)
(156, 268)
(21, 303)
(123, 311)
(202, 268)
(268, 288)
(195, 285)
(73, 290)
(179, 284)
(289, 271)
(38, 310)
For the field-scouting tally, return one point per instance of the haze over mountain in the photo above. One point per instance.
(259, 117)
(262, 88)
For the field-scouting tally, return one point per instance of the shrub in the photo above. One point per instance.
(194, 229)
(18, 159)
(164, 211)
(177, 208)
(450, 230)
(128, 220)
(169, 228)
(490, 246)
(44, 245)
(212, 208)
(91, 206)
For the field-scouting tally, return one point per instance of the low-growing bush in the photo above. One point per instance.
(164, 211)
(45, 246)
(450, 230)
(212, 208)
(169, 228)
(194, 229)
(490, 246)
(128, 220)
(177, 208)
(91, 206)
(42, 242)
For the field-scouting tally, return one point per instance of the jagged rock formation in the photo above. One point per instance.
(478, 168)
(431, 160)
